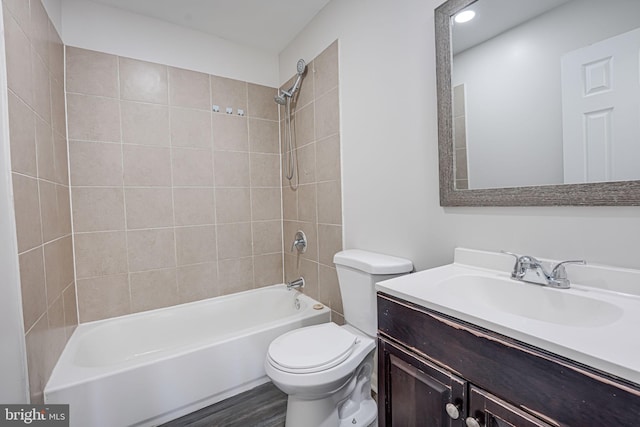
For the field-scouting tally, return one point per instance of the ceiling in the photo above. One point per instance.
(494, 17)
(264, 24)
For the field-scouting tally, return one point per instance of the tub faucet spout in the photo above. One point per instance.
(295, 284)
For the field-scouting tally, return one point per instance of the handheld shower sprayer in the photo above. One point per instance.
(285, 98)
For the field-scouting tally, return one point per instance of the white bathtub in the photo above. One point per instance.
(147, 368)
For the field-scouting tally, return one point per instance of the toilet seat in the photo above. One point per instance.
(312, 349)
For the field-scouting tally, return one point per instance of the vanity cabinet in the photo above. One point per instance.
(428, 360)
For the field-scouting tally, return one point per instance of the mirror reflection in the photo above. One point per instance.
(546, 92)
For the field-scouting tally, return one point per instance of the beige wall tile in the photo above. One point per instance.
(103, 297)
(231, 169)
(196, 282)
(188, 89)
(192, 167)
(40, 31)
(325, 67)
(70, 309)
(261, 103)
(143, 81)
(305, 127)
(307, 206)
(235, 275)
(151, 249)
(56, 54)
(19, 71)
(92, 118)
(268, 269)
(196, 245)
(228, 93)
(37, 358)
(146, 166)
(58, 263)
(327, 114)
(329, 242)
(233, 205)
(27, 210)
(265, 170)
(92, 73)
(329, 202)
(193, 206)
(58, 112)
(328, 159)
(265, 204)
(100, 254)
(22, 137)
(153, 289)
(309, 270)
(267, 237)
(19, 11)
(60, 149)
(149, 207)
(307, 163)
(44, 148)
(32, 283)
(54, 210)
(329, 288)
(98, 209)
(234, 240)
(263, 136)
(95, 164)
(190, 128)
(145, 124)
(230, 132)
(289, 203)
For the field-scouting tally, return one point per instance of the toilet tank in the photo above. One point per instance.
(358, 272)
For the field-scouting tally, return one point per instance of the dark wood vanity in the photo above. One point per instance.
(435, 370)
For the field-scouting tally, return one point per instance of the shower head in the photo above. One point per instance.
(302, 66)
(280, 99)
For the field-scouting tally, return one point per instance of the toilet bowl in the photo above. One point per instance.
(327, 369)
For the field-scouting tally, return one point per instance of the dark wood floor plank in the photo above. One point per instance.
(263, 406)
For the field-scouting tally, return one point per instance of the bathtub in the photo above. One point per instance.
(147, 368)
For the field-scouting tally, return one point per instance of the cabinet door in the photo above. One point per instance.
(489, 411)
(415, 393)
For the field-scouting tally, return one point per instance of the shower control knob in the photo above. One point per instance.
(453, 411)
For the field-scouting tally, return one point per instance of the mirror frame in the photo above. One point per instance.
(620, 193)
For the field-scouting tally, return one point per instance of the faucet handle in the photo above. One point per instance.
(516, 266)
(559, 272)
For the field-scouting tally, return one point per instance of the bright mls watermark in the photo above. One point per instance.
(34, 415)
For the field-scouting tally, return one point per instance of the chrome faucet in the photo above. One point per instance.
(295, 284)
(528, 269)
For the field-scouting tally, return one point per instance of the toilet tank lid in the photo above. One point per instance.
(372, 263)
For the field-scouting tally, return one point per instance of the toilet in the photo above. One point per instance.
(327, 369)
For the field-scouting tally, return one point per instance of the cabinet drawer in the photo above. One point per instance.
(568, 394)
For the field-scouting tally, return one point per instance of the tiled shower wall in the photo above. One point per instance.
(312, 201)
(172, 202)
(35, 70)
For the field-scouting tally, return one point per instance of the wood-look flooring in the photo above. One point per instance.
(263, 406)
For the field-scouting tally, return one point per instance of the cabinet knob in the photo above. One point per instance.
(472, 422)
(453, 411)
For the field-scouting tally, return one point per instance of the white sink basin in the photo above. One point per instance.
(531, 301)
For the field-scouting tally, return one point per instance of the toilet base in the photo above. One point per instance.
(351, 406)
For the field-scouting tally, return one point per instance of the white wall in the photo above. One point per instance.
(390, 157)
(94, 26)
(54, 10)
(13, 353)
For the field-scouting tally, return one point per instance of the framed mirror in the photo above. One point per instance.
(539, 102)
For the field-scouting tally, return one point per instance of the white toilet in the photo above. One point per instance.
(326, 369)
